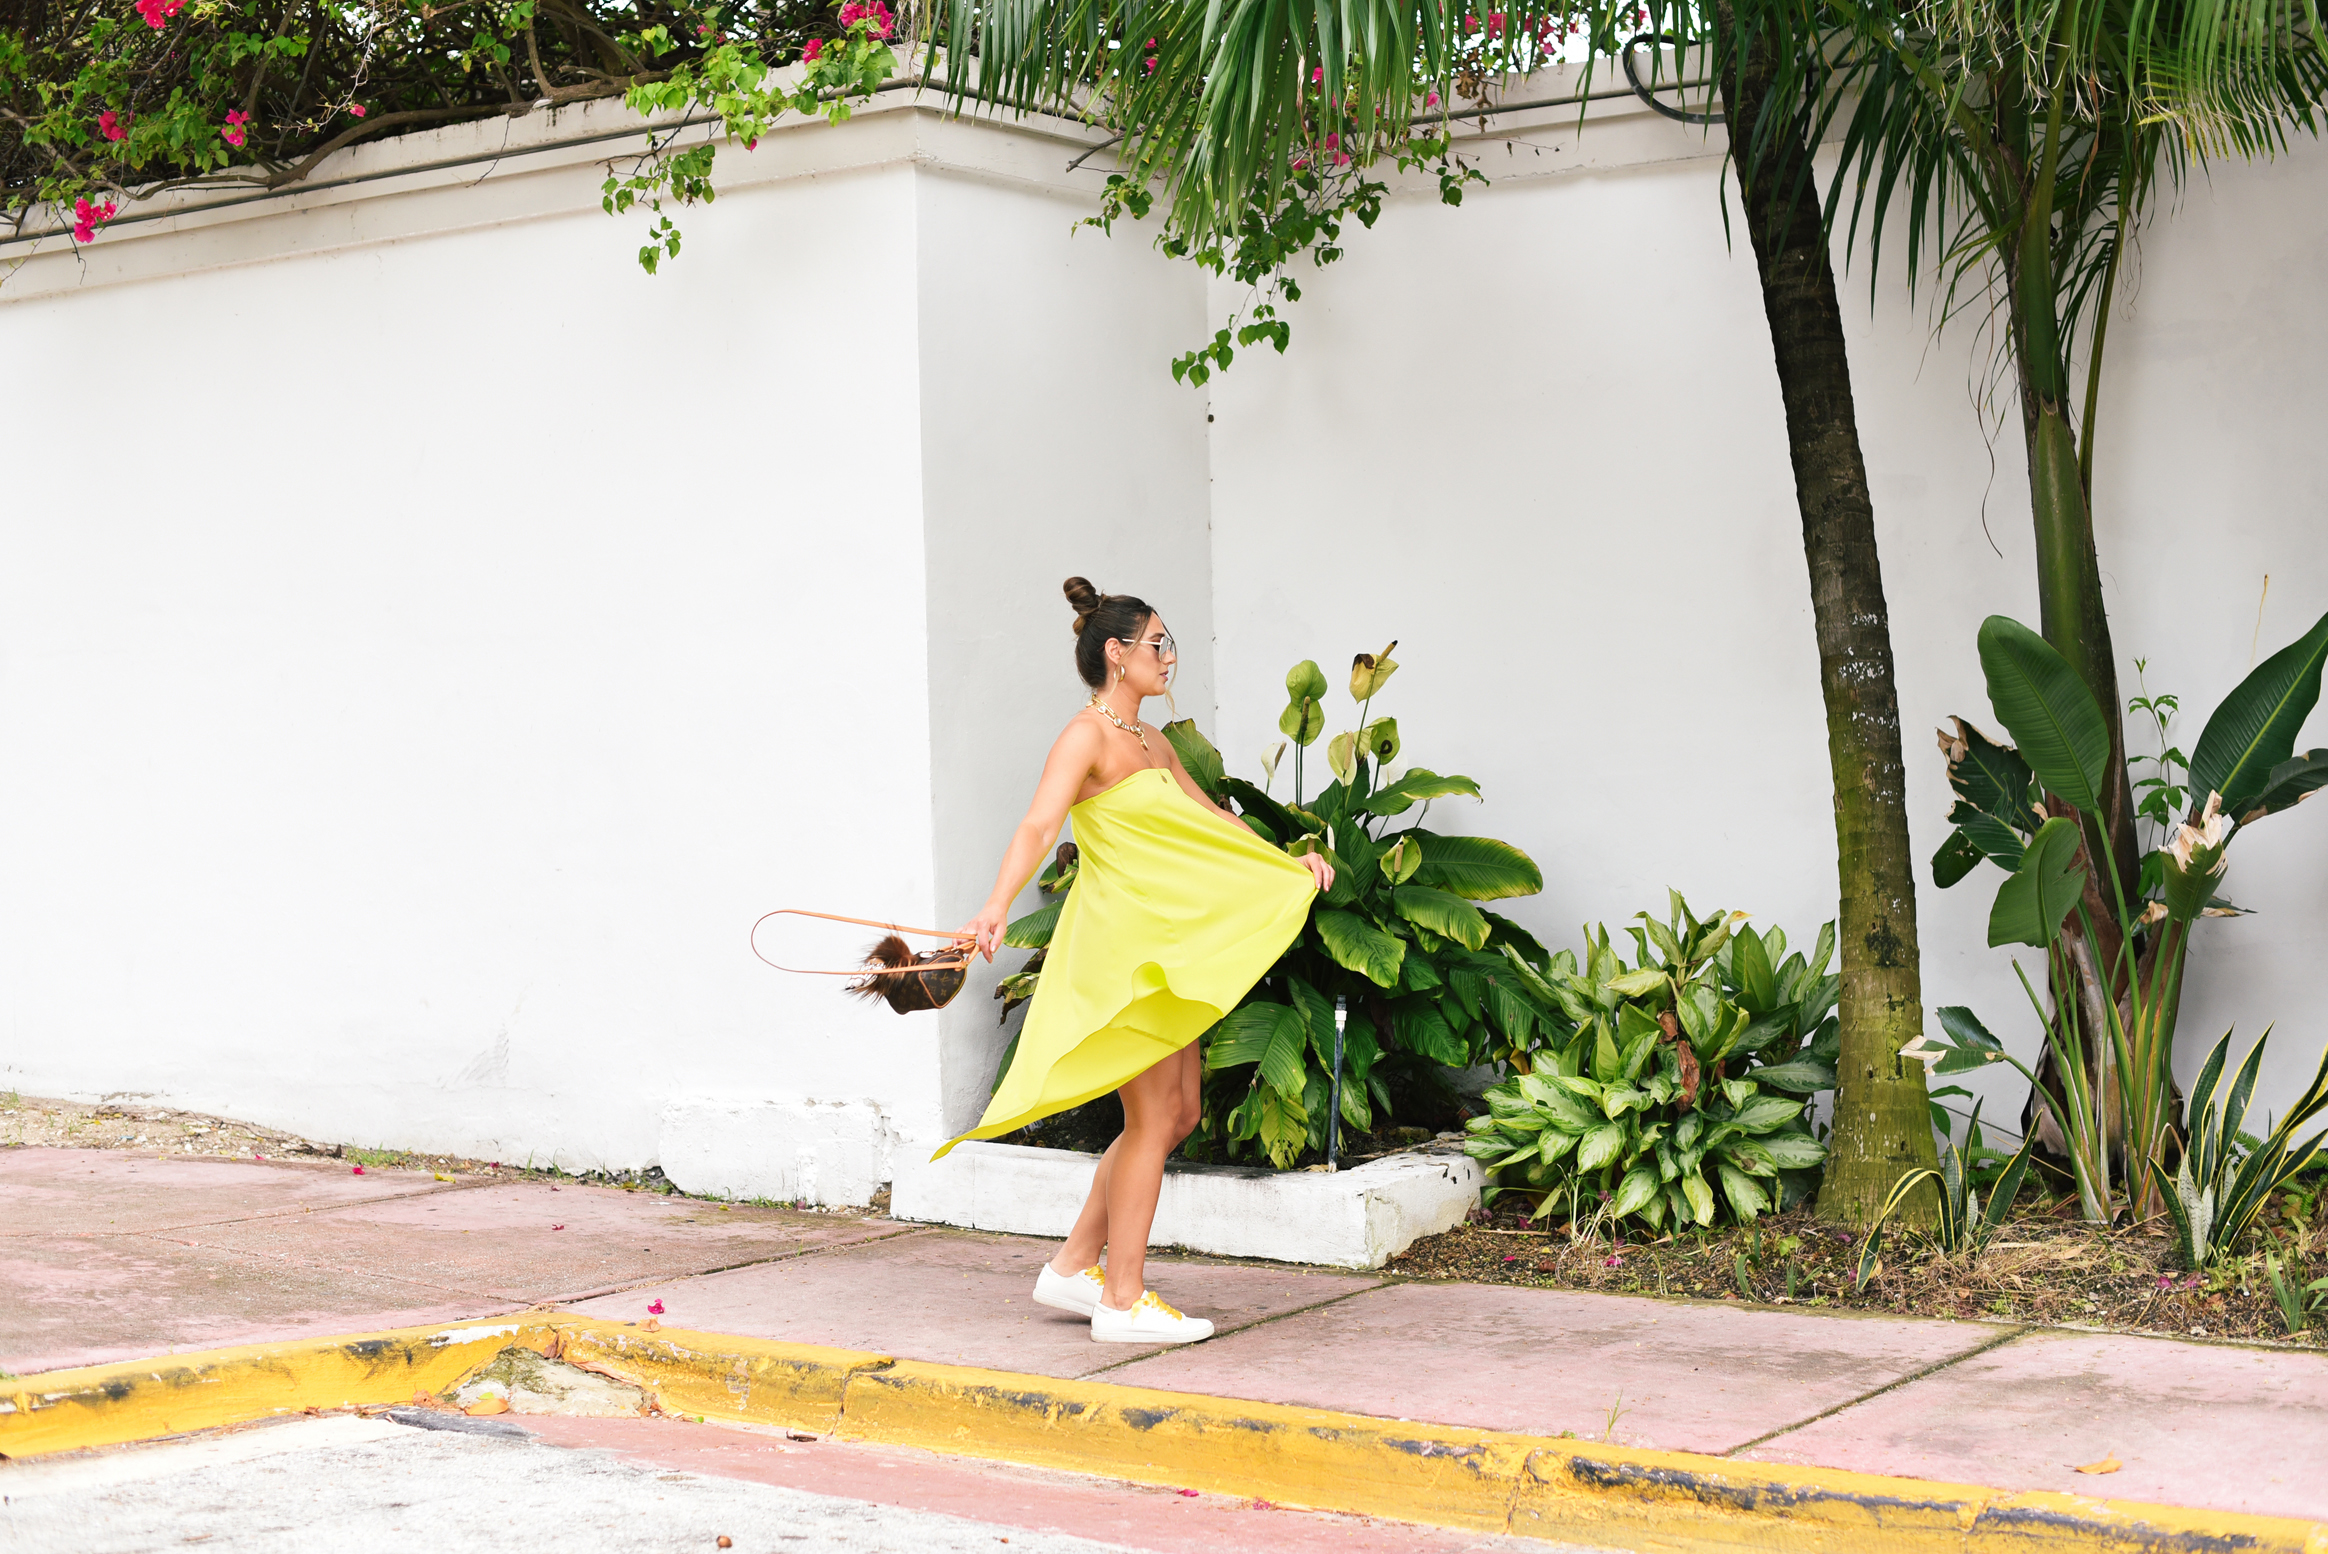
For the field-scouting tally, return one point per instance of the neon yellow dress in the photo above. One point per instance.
(1172, 919)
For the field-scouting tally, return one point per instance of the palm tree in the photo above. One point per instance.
(1261, 122)
(2022, 141)
(1881, 1121)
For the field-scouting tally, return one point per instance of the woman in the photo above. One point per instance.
(1177, 910)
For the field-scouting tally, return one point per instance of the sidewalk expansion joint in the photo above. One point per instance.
(1893, 1385)
(653, 1279)
(1483, 1481)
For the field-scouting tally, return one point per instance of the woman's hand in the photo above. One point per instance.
(1320, 870)
(985, 931)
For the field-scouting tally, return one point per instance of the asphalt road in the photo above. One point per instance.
(349, 1485)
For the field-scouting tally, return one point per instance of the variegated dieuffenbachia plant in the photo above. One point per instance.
(1683, 1098)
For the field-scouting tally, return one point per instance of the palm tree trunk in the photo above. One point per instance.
(1882, 1127)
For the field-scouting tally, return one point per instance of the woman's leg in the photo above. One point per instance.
(1161, 1107)
(1090, 1233)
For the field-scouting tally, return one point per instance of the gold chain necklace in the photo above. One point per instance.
(1108, 713)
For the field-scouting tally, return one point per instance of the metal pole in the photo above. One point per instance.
(1334, 1123)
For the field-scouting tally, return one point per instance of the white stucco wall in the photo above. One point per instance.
(1587, 543)
(427, 642)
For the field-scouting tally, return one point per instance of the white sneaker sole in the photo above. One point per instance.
(1056, 1304)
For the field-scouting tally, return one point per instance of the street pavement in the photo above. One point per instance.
(350, 1485)
(106, 1255)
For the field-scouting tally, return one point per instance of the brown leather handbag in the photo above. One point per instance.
(892, 972)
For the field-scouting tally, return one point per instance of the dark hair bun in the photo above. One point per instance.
(1085, 600)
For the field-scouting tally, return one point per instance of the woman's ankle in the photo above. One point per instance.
(1067, 1267)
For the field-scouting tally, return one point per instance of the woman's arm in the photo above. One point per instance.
(1071, 760)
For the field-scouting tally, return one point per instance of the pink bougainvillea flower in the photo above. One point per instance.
(1317, 74)
(1185, 1491)
(1333, 142)
(655, 1309)
(1614, 1262)
(357, 109)
(814, 51)
(157, 13)
(557, 1227)
(1148, 65)
(1431, 100)
(113, 126)
(753, 144)
(359, 1171)
(234, 132)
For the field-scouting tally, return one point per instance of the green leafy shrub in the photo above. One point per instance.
(2226, 1177)
(1681, 1095)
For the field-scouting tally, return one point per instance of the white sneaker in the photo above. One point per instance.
(1149, 1321)
(1076, 1292)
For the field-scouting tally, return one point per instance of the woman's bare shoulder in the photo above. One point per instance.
(1082, 737)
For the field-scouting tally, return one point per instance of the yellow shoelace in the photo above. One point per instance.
(1148, 1298)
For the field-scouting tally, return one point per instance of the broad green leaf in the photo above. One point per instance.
(1302, 721)
(1424, 1030)
(1749, 1156)
(1750, 965)
(1793, 1151)
(1197, 754)
(2052, 717)
(1284, 1125)
(1477, 868)
(1413, 786)
(1512, 1013)
(1699, 1195)
(1988, 778)
(2255, 728)
(1243, 1037)
(1767, 1112)
(1971, 1045)
(1639, 1185)
(1360, 946)
(2290, 783)
(1619, 1099)
(2030, 906)
(1608, 1063)
(1600, 1146)
(1747, 1198)
(1442, 913)
(1034, 930)
(1995, 840)
(1256, 804)
(1638, 984)
(1281, 1064)
(1956, 858)
(1802, 1076)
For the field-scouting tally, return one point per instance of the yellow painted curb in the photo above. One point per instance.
(1486, 1480)
(137, 1400)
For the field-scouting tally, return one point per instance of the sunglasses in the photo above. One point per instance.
(1163, 644)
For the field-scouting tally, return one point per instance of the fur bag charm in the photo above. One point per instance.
(892, 973)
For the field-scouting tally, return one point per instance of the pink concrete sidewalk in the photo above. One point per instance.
(111, 1256)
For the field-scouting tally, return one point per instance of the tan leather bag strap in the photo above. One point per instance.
(959, 939)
